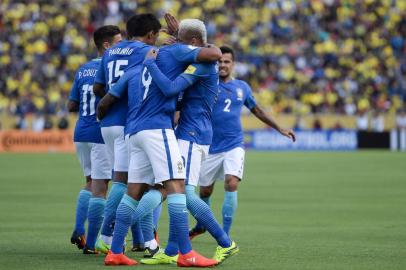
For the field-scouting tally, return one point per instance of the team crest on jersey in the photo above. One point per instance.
(180, 167)
(190, 69)
(239, 94)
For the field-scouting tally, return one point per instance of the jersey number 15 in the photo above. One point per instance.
(115, 70)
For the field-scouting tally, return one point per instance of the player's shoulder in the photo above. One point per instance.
(240, 84)
(91, 64)
(126, 48)
(179, 47)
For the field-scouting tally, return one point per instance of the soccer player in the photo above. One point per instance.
(142, 30)
(194, 131)
(90, 147)
(155, 156)
(226, 154)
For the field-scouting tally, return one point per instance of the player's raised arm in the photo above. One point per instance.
(169, 88)
(261, 115)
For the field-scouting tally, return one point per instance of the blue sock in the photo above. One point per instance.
(136, 231)
(201, 211)
(95, 219)
(82, 206)
(143, 213)
(156, 215)
(147, 227)
(178, 221)
(124, 214)
(229, 208)
(116, 194)
(199, 226)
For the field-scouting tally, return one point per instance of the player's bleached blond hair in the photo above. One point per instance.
(192, 28)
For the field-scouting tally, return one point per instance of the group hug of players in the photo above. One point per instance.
(159, 122)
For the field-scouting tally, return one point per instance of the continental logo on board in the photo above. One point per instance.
(36, 142)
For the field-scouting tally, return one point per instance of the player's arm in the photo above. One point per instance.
(252, 105)
(190, 54)
(209, 54)
(100, 81)
(265, 118)
(99, 90)
(73, 106)
(168, 87)
(113, 95)
(74, 96)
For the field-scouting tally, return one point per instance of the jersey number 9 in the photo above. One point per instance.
(146, 80)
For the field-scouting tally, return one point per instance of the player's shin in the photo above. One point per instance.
(95, 219)
(116, 194)
(138, 237)
(82, 206)
(202, 212)
(124, 214)
(178, 218)
(228, 210)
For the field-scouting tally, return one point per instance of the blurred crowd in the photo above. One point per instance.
(314, 56)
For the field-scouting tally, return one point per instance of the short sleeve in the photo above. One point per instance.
(75, 91)
(250, 101)
(193, 73)
(100, 74)
(186, 53)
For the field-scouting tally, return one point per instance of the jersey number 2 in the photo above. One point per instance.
(228, 104)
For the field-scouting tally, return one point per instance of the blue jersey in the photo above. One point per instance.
(227, 130)
(154, 110)
(129, 84)
(195, 123)
(87, 128)
(116, 61)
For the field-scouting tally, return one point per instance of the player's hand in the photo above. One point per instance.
(151, 54)
(170, 40)
(288, 133)
(173, 24)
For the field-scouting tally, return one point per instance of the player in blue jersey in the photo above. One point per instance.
(90, 147)
(194, 132)
(154, 153)
(226, 154)
(142, 32)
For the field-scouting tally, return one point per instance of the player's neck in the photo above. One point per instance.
(226, 79)
(141, 39)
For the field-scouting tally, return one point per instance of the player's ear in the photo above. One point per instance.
(151, 35)
(106, 45)
(193, 41)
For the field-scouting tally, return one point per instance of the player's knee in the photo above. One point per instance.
(162, 190)
(120, 177)
(136, 191)
(175, 186)
(205, 192)
(231, 183)
(99, 188)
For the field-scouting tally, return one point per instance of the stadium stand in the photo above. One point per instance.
(323, 56)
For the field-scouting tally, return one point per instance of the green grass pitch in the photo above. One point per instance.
(314, 211)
